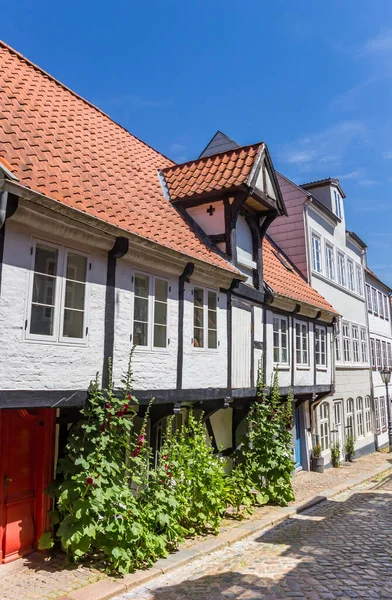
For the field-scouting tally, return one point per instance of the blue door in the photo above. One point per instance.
(297, 451)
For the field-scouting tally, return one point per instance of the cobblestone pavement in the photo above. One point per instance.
(44, 577)
(340, 549)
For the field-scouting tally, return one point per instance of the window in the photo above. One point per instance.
(301, 343)
(389, 352)
(378, 354)
(359, 415)
(330, 262)
(338, 205)
(212, 320)
(364, 346)
(384, 354)
(321, 347)
(386, 307)
(358, 269)
(205, 307)
(346, 342)
(324, 426)
(377, 413)
(244, 242)
(375, 304)
(280, 334)
(341, 269)
(355, 336)
(160, 313)
(338, 355)
(383, 414)
(350, 417)
(373, 352)
(350, 270)
(316, 253)
(380, 304)
(198, 318)
(368, 415)
(150, 306)
(58, 295)
(369, 297)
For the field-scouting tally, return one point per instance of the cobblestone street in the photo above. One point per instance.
(340, 549)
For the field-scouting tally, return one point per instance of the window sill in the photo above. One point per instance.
(63, 344)
(281, 367)
(322, 369)
(338, 286)
(302, 367)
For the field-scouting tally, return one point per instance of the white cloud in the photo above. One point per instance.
(352, 175)
(367, 182)
(387, 155)
(380, 44)
(326, 148)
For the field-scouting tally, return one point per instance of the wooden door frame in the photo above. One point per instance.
(45, 446)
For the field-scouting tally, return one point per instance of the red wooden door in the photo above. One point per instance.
(24, 471)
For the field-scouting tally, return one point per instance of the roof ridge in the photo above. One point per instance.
(205, 158)
(78, 96)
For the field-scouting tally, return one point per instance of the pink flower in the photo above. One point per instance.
(166, 467)
(126, 407)
(89, 480)
(120, 413)
(140, 439)
(164, 457)
(129, 396)
(136, 452)
(108, 406)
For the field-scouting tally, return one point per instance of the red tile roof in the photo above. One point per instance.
(288, 282)
(60, 145)
(213, 173)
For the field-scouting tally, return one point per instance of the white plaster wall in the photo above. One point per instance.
(211, 224)
(203, 368)
(36, 365)
(258, 337)
(378, 326)
(152, 368)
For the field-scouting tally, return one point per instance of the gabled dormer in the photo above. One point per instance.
(329, 193)
(231, 197)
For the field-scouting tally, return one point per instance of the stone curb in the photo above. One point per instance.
(107, 588)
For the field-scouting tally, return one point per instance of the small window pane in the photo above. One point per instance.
(141, 286)
(160, 336)
(41, 320)
(161, 290)
(76, 267)
(73, 324)
(212, 338)
(198, 297)
(46, 260)
(198, 338)
(141, 309)
(198, 317)
(212, 319)
(44, 289)
(211, 301)
(74, 295)
(140, 334)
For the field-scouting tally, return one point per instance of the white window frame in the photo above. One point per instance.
(350, 275)
(320, 345)
(380, 304)
(384, 353)
(373, 353)
(378, 354)
(386, 307)
(341, 269)
(389, 352)
(377, 414)
(205, 347)
(375, 301)
(383, 414)
(350, 421)
(358, 270)
(338, 206)
(151, 312)
(359, 417)
(325, 427)
(355, 343)
(346, 335)
(369, 300)
(330, 261)
(302, 338)
(364, 346)
(316, 253)
(278, 331)
(368, 415)
(338, 348)
(57, 336)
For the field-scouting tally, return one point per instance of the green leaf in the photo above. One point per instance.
(46, 541)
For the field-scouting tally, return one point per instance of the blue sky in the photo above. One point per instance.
(311, 78)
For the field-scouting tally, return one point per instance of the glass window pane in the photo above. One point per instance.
(141, 286)
(161, 290)
(198, 312)
(140, 334)
(160, 313)
(45, 259)
(44, 289)
(212, 319)
(198, 297)
(73, 324)
(198, 338)
(76, 267)
(41, 322)
(141, 309)
(212, 300)
(212, 339)
(160, 336)
(74, 295)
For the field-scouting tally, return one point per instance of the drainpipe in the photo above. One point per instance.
(369, 352)
(3, 207)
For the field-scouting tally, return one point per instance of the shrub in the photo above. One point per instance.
(335, 454)
(317, 450)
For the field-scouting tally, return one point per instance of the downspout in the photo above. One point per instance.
(369, 355)
(3, 216)
(183, 278)
(307, 250)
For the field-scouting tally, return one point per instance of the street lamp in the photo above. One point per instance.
(386, 378)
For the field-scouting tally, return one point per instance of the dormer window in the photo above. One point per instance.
(338, 204)
(244, 239)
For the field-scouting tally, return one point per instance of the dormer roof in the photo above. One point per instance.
(322, 183)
